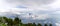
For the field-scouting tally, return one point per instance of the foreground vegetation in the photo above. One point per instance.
(5, 21)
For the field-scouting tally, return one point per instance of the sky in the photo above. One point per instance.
(31, 9)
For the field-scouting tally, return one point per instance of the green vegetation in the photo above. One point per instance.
(4, 21)
(39, 24)
(45, 25)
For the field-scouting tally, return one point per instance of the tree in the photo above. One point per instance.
(50, 25)
(0, 19)
(45, 25)
(5, 19)
(17, 21)
(2, 24)
(34, 24)
(10, 22)
(39, 24)
(29, 24)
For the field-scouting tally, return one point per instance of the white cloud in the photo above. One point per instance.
(40, 17)
(57, 24)
(33, 6)
(56, 4)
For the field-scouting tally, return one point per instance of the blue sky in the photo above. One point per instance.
(39, 9)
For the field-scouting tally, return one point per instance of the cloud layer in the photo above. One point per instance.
(31, 9)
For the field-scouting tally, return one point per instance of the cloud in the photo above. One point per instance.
(34, 6)
(33, 1)
(57, 24)
(40, 17)
(39, 9)
(21, 7)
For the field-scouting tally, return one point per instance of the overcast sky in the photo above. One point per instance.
(39, 9)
